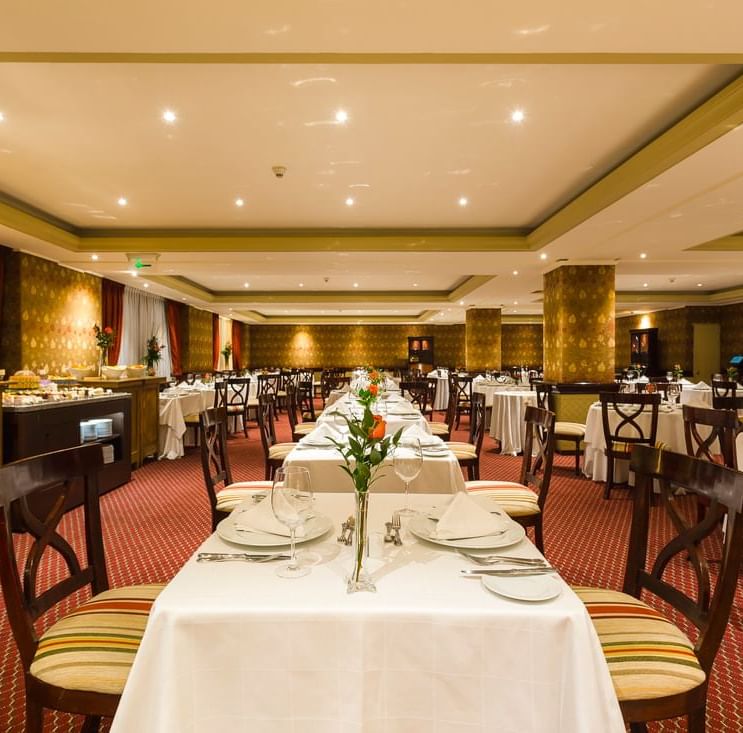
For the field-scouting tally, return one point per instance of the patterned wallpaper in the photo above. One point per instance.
(521, 343)
(579, 324)
(483, 338)
(49, 314)
(318, 346)
(731, 332)
(245, 345)
(197, 341)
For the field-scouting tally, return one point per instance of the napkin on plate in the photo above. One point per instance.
(260, 518)
(465, 518)
(321, 434)
(427, 441)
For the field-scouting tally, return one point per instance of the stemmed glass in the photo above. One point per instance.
(673, 392)
(291, 501)
(407, 462)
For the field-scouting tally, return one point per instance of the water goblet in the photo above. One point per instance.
(291, 502)
(674, 392)
(407, 461)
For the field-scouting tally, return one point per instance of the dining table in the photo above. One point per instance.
(441, 395)
(507, 417)
(231, 646)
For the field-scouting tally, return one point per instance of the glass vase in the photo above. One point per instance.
(359, 579)
(102, 361)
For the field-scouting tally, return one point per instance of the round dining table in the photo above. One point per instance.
(507, 418)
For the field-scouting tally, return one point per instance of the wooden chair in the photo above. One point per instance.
(626, 432)
(725, 395)
(273, 451)
(220, 400)
(468, 454)
(525, 501)
(224, 495)
(570, 432)
(462, 388)
(236, 394)
(444, 429)
(60, 672)
(299, 428)
(268, 386)
(657, 671)
(330, 381)
(417, 392)
(306, 399)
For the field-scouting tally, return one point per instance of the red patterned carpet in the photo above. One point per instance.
(155, 522)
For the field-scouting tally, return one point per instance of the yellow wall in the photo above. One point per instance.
(48, 315)
(521, 344)
(318, 346)
(483, 339)
(197, 341)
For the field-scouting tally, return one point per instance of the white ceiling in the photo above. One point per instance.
(77, 136)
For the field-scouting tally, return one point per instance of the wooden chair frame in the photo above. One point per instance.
(237, 395)
(417, 392)
(215, 461)
(725, 395)
(477, 433)
(462, 388)
(268, 434)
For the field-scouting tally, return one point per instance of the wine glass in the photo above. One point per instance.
(291, 501)
(673, 392)
(407, 462)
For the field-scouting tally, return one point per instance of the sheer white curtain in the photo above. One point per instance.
(144, 316)
(225, 337)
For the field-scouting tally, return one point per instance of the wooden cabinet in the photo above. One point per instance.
(420, 353)
(644, 349)
(145, 392)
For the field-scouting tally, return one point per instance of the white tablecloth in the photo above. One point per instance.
(173, 409)
(232, 647)
(490, 388)
(345, 404)
(507, 419)
(670, 432)
(697, 397)
(441, 398)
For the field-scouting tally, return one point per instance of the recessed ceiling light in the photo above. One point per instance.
(341, 116)
(122, 201)
(182, 298)
(699, 285)
(518, 116)
(246, 285)
(515, 302)
(515, 272)
(147, 285)
(301, 285)
(94, 258)
(239, 202)
(2, 117)
(133, 274)
(169, 116)
(356, 285)
(349, 201)
(415, 285)
(543, 256)
(643, 255)
(644, 285)
(463, 201)
(461, 302)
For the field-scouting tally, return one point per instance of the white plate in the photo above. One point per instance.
(314, 528)
(525, 588)
(433, 453)
(421, 526)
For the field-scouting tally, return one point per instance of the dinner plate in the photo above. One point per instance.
(421, 526)
(317, 443)
(315, 527)
(434, 453)
(532, 588)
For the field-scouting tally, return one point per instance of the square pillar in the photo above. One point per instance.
(483, 339)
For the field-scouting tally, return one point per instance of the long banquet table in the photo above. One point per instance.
(233, 647)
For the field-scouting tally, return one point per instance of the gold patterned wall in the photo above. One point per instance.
(197, 341)
(731, 332)
(579, 324)
(245, 345)
(49, 313)
(318, 346)
(521, 343)
(483, 338)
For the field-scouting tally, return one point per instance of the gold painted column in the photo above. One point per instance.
(579, 303)
(483, 339)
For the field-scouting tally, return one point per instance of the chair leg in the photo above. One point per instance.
(609, 476)
(638, 728)
(92, 724)
(539, 535)
(577, 457)
(698, 721)
(267, 475)
(34, 717)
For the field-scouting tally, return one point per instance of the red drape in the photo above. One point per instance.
(173, 315)
(237, 329)
(215, 341)
(112, 314)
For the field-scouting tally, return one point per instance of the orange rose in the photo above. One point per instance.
(374, 375)
(379, 428)
(373, 390)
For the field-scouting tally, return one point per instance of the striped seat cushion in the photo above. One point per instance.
(281, 450)
(305, 428)
(191, 419)
(230, 496)
(93, 647)
(517, 500)
(439, 428)
(462, 450)
(575, 429)
(648, 656)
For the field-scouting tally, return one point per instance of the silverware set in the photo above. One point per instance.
(243, 556)
(525, 565)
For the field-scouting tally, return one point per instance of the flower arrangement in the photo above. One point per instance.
(104, 337)
(732, 373)
(677, 372)
(368, 393)
(153, 355)
(227, 351)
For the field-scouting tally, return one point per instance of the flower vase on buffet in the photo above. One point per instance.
(102, 361)
(104, 339)
(153, 355)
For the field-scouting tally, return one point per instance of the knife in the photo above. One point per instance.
(250, 557)
(507, 572)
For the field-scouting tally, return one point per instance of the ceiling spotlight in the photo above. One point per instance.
(239, 202)
(94, 258)
(169, 116)
(415, 285)
(644, 285)
(543, 256)
(356, 285)
(463, 201)
(349, 201)
(518, 116)
(341, 116)
(122, 201)
(643, 255)
(2, 117)
(132, 273)
(182, 298)
(246, 285)
(301, 285)
(515, 272)
(147, 285)
(461, 302)
(515, 302)
(699, 285)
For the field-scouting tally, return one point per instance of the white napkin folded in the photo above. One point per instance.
(479, 378)
(465, 518)
(260, 518)
(701, 385)
(321, 434)
(684, 380)
(427, 440)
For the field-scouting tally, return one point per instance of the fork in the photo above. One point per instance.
(246, 556)
(503, 559)
(396, 526)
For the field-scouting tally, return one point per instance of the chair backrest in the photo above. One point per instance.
(539, 450)
(330, 381)
(291, 405)
(220, 393)
(622, 417)
(238, 391)
(477, 421)
(306, 399)
(416, 392)
(265, 421)
(189, 378)
(543, 390)
(723, 488)
(268, 384)
(462, 387)
(725, 395)
(53, 479)
(215, 462)
(719, 427)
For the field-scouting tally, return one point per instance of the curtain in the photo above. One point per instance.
(225, 337)
(237, 345)
(173, 313)
(144, 316)
(215, 341)
(112, 314)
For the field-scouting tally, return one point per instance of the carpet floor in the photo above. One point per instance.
(154, 523)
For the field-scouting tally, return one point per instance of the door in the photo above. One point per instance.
(706, 350)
